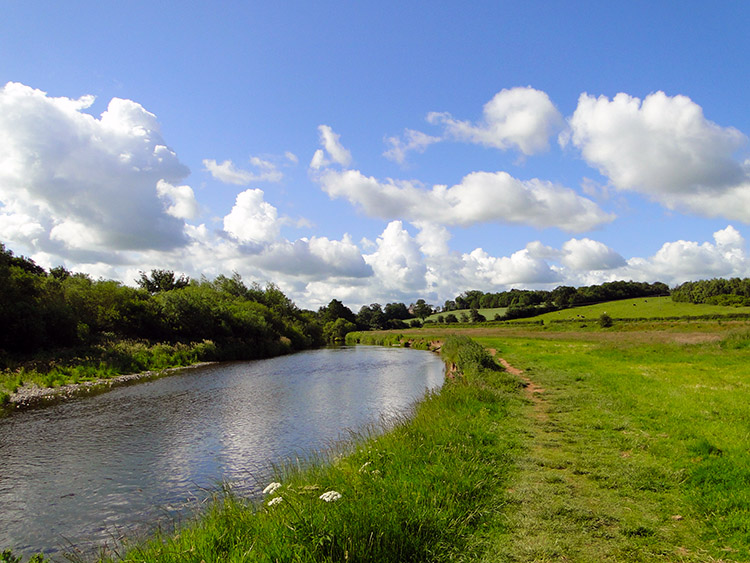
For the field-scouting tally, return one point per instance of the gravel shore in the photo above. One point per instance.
(29, 396)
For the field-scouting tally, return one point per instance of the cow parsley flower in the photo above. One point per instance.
(330, 496)
(271, 488)
(275, 500)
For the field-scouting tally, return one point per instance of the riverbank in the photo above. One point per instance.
(426, 490)
(33, 396)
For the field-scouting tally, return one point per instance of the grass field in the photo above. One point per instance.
(647, 307)
(488, 314)
(644, 307)
(635, 444)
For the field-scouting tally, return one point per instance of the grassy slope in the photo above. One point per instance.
(648, 307)
(489, 314)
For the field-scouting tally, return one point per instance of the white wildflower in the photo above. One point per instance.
(271, 488)
(361, 469)
(275, 500)
(330, 496)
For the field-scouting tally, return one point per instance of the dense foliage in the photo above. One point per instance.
(734, 291)
(58, 309)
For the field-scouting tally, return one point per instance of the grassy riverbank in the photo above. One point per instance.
(634, 444)
(611, 445)
(103, 362)
(430, 489)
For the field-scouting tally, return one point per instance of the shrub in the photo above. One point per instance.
(605, 321)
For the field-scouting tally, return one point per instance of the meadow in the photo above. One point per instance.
(642, 308)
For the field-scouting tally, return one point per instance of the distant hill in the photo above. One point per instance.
(642, 307)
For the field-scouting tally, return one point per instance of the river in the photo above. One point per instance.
(81, 474)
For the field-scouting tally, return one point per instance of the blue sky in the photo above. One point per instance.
(302, 143)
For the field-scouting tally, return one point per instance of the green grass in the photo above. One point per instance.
(488, 314)
(624, 446)
(645, 308)
(430, 489)
(635, 452)
(640, 308)
(104, 362)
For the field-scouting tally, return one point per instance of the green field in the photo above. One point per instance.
(488, 314)
(640, 308)
(645, 307)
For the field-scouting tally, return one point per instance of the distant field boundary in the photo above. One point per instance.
(714, 317)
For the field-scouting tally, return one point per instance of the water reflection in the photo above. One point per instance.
(94, 468)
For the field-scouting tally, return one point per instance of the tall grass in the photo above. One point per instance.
(103, 362)
(426, 490)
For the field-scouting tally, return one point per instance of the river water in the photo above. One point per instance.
(81, 474)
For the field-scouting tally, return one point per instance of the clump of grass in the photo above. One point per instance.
(107, 360)
(426, 490)
(737, 340)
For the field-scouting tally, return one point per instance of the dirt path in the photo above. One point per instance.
(532, 391)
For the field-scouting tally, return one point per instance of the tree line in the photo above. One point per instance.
(560, 297)
(718, 291)
(42, 310)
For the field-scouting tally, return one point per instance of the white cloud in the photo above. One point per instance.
(182, 199)
(228, 173)
(413, 141)
(333, 148)
(520, 118)
(665, 148)
(481, 197)
(316, 258)
(520, 268)
(252, 219)
(397, 261)
(89, 183)
(587, 254)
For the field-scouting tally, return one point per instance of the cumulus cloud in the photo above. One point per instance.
(228, 173)
(587, 254)
(332, 147)
(517, 269)
(412, 141)
(664, 147)
(182, 203)
(316, 258)
(252, 219)
(481, 197)
(519, 118)
(89, 183)
(397, 262)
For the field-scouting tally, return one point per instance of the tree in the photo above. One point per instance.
(396, 311)
(337, 330)
(161, 280)
(476, 316)
(334, 311)
(421, 309)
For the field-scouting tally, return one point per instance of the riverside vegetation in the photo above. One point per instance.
(594, 445)
(619, 443)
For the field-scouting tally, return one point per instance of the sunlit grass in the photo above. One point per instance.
(637, 452)
(644, 307)
(427, 490)
(103, 362)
